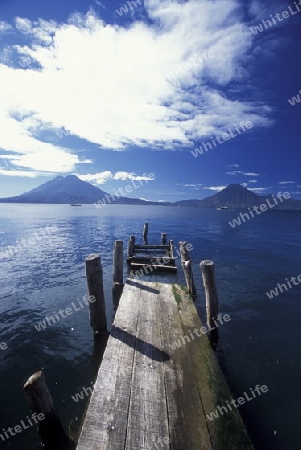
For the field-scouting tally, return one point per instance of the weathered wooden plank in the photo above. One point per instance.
(148, 411)
(148, 267)
(179, 440)
(192, 414)
(107, 415)
(151, 247)
(152, 259)
(227, 432)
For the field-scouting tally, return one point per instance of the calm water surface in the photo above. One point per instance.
(260, 345)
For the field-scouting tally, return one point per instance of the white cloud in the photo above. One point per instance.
(251, 174)
(25, 151)
(104, 177)
(108, 84)
(98, 2)
(234, 172)
(263, 10)
(232, 166)
(215, 188)
(259, 189)
(124, 176)
(240, 172)
(23, 25)
(286, 182)
(252, 181)
(4, 26)
(97, 178)
(23, 173)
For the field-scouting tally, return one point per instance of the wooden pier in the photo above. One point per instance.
(159, 385)
(148, 258)
(159, 381)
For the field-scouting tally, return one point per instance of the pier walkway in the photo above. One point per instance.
(159, 381)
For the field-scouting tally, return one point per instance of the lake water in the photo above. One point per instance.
(260, 345)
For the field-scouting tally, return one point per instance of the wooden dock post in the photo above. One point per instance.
(187, 268)
(145, 232)
(207, 268)
(131, 246)
(117, 271)
(163, 239)
(40, 402)
(171, 253)
(98, 320)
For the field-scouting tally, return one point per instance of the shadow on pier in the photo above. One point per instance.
(142, 286)
(139, 345)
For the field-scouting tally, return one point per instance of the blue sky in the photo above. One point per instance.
(112, 91)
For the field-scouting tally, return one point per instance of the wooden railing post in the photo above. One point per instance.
(131, 246)
(207, 268)
(187, 268)
(98, 320)
(49, 424)
(145, 233)
(163, 239)
(171, 253)
(117, 271)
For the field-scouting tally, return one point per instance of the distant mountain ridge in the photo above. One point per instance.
(70, 189)
(237, 196)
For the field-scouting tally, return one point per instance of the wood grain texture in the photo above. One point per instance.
(152, 247)
(154, 387)
(227, 432)
(94, 274)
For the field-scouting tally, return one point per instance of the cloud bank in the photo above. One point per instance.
(116, 86)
